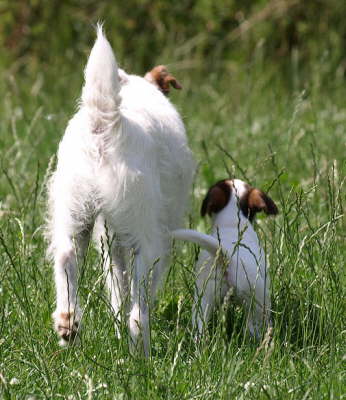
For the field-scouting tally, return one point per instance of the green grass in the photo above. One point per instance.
(290, 141)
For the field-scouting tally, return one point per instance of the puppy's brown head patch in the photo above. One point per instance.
(254, 201)
(217, 198)
(160, 77)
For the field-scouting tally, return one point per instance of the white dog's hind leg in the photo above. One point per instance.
(67, 315)
(160, 268)
(139, 308)
(114, 266)
(117, 283)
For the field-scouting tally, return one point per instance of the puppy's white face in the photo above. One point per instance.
(240, 187)
(235, 195)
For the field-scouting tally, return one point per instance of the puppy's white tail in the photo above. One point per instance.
(206, 241)
(100, 93)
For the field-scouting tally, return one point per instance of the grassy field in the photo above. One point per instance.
(285, 136)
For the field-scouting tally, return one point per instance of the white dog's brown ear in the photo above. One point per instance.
(160, 77)
(256, 201)
(216, 198)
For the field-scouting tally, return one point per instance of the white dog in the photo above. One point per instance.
(124, 166)
(232, 204)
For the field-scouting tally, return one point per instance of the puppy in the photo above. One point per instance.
(232, 205)
(124, 172)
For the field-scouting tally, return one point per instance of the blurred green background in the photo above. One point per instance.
(195, 34)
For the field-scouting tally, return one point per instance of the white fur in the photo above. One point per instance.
(244, 270)
(123, 163)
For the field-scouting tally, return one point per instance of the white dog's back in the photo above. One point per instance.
(127, 145)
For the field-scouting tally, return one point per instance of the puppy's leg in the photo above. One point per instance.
(258, 305)
(257, 321)
(210, 289)
(68, 253)
(248, 276)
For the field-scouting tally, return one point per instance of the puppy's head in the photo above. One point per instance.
(162, 79)
(250, 200)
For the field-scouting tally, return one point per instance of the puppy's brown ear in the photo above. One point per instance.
(216, 198)
(260, 201)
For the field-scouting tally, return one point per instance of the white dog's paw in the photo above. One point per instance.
(66, 325)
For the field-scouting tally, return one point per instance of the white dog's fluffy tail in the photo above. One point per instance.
(206, 241)
(100, 93)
